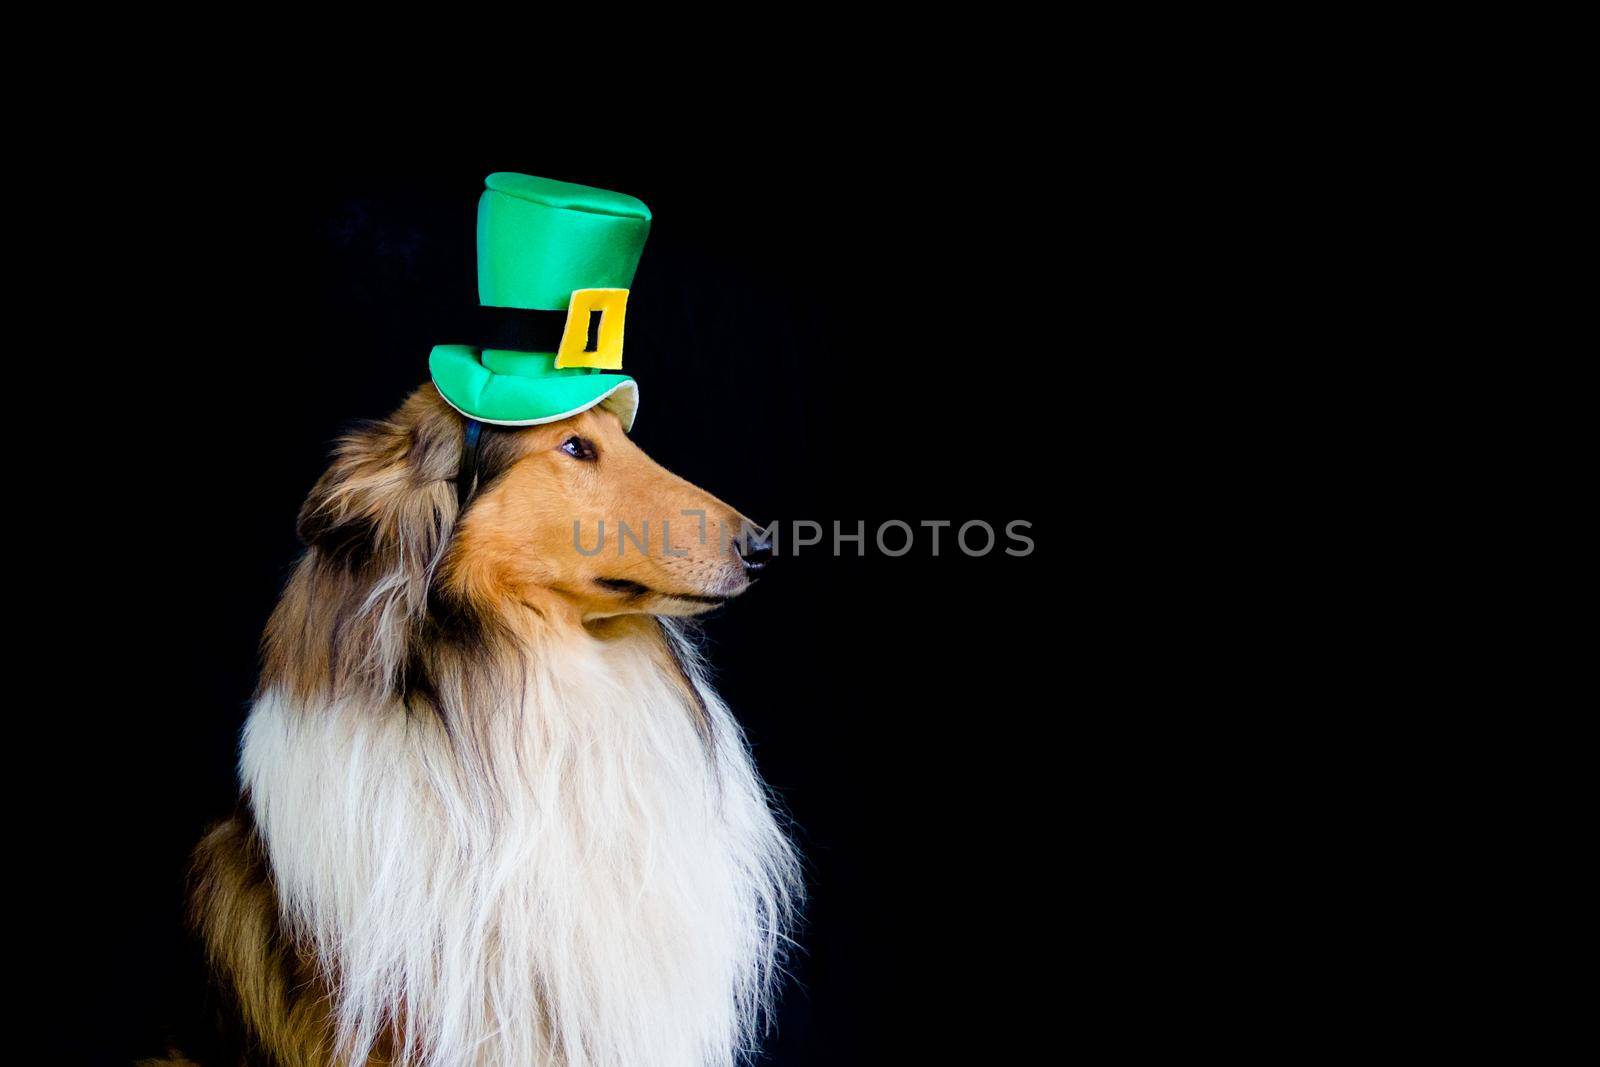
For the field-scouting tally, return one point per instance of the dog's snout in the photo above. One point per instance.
(755, 550)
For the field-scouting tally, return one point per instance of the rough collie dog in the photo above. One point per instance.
(492, 812)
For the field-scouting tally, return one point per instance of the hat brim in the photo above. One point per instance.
(508, 400)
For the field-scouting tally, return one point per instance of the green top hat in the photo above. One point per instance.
(554, 264)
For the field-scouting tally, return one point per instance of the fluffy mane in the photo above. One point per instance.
(488, 836)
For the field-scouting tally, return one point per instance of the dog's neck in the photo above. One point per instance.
(571, 860)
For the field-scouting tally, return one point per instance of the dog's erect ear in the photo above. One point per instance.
(389, 489)
(376, 524)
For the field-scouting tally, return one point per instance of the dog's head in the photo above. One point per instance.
(570, 516)
(568, 523)
(576, 510)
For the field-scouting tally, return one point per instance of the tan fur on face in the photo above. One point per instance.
(521, 540)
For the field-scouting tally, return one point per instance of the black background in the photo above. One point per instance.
(875, 334)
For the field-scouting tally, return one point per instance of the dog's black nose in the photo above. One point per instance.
(755, 549)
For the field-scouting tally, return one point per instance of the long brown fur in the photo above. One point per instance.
(275, 987)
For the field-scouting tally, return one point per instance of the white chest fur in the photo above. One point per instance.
(580, 871)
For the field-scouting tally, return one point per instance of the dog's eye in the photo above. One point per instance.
(579, 448)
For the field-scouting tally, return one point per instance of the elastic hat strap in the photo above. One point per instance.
(467, 472)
